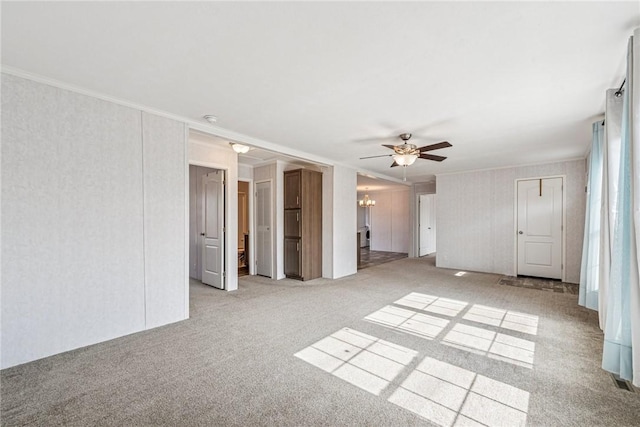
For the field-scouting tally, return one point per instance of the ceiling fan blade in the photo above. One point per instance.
(432, 157)
(393, 147)
(373, 157)
(394, 164)
(443, 144)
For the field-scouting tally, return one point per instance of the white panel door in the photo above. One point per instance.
(427, 224)
(540, 228)
(263, 229)
(213, 235)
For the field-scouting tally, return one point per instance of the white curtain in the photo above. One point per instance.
(610, 166)
(621, 352)
(590, 269)
(633, 87)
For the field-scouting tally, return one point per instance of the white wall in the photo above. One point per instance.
(245, 172)
(327, 222)
(165, 199)
(361, 214)
(204, 152)
(390, 221)
(339, 223)
(93, 239)
(345, 227)
(475, 217)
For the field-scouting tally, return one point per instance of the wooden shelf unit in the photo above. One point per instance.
(303, 224)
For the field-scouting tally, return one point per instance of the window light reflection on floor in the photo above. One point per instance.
(360, 359)
(460, 273)
(506, 319)
(448, 395)
(433, 304)
(507, 348)
(408, 321)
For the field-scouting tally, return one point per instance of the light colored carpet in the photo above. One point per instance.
(234, 362)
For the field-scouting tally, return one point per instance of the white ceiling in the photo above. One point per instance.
(507, 83)
(255, 156)
(371, 184)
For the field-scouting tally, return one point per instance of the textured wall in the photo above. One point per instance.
(165, 198)
(475, 217)
(245, 172)
(75, 204)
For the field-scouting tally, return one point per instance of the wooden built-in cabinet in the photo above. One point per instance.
(303, 224)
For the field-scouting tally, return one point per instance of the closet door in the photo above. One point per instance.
(263, 229)
(292, 258)
(292, 187)
(292, 224)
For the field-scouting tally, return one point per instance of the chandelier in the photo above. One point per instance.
(366, 202)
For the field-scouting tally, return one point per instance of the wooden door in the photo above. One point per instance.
(540, 206)
(292, 187)
(292, 226)
(292, 257)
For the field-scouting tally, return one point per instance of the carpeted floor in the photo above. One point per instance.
(402, 343)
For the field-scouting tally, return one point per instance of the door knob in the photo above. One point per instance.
(520, 232)
(202, 234)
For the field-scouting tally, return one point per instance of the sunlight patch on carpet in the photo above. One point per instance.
(409, 321)
(360, 359)
(448, 395)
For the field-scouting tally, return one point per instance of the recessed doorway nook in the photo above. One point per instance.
(245, 228)
(207, 225)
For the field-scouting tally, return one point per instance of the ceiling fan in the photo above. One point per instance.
(405, 154)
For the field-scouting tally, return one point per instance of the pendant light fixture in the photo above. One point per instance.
(366, 202)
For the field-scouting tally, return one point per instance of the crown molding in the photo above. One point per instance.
(524, 165)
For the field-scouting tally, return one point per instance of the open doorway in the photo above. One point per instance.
(206, 225)
(243, 228)
(383, 221)
(427, 224)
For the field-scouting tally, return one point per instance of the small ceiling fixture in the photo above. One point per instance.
(239, 148)
(366, 202)
(210, 118)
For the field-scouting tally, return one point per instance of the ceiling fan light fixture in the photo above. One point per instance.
(239, 148)
(405, 159)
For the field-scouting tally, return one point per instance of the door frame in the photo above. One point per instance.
(271, 216)
(225, 209)
(414, 238)
(250, 210)
(432, 219)
(563, 243)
